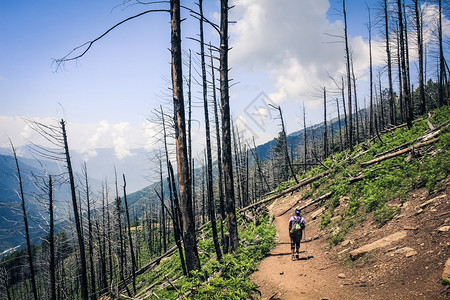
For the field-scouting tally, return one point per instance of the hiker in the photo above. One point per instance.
(296, 226)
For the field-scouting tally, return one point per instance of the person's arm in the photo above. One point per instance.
(290, 224)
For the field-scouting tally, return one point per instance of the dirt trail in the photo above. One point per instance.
(313, 276)
(383, 274)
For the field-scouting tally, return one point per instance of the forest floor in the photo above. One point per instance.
(408, 268)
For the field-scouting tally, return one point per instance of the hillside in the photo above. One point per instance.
(383, 231)
(10, 210)
(377, 227)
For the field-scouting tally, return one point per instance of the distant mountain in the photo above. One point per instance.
(136, 167)
(12, 233)
(296, 138)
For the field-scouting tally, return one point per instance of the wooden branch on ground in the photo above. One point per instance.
(392, 155)
(356, 178)
(309, 203)
(430, 125)
(286, 191)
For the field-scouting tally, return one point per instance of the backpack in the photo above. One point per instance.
(297, 226)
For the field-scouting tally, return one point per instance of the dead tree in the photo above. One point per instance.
(420, 54)
(442, 73)
(371, 119)
(409, 102)
(210, 190)
(121, 253)
(25, 222)
(286, 152)
(304, 139)
(389, 65)
(219, 148)
(52, 266)
(184, 180)
(349, 82)
(93, 292)
(406, 94)
(226, 128)
(339, 123)
(84, 281)
(325, 137)
(133, 259)
(177, 230)
(345, 114)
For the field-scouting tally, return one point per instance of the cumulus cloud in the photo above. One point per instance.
(291, 41)
(84, 138)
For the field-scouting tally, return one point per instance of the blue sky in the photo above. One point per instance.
(279, 49)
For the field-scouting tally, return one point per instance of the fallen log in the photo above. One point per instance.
(309, 203)
(403, 151)
(430, 125)
(286, 191)
(357, 178)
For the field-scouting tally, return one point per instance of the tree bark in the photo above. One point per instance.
(93, 295)
(84, 281)
(219, 150)
(133, 259)
(403, 64)
(226, 129)
(389, 65)
(420, 54)
(184, 181)
(51, 241)
(349, 82)
(325, 136)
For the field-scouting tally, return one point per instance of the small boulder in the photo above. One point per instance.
(341, 276)
(444, 229)
(346, 243)
(411, 253)
(446, 273)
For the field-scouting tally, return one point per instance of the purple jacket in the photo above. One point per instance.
(296, 219)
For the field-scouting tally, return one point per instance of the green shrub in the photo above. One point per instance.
(326, 220)
(385, 213)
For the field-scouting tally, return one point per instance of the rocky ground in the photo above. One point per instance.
(404, 259)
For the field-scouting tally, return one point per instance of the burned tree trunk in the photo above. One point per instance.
(84, 281)
(226, 128)
(25, 221)
(420, 54)
(210, 189)
(403, 66)
(325, 137)
(349, 82)
(184, 181)
(90, 237)
(219, 150)
(133, 259)
(389, 65)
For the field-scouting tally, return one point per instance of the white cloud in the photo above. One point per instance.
(293, 41)
(82, 137)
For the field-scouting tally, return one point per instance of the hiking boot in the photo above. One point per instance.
(293, 257)
(297, 256)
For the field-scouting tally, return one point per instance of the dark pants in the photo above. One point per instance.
(295, 240)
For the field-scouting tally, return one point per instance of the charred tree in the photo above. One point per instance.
(210, 189)
(226, 129)
(349, 82)
(406, 94)
(325, 136)
(420, 54)
(219, 149)
(389, 65)
(25, 222)
(133, 259)
(93, 292)
(84, 281)
(184, 181)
